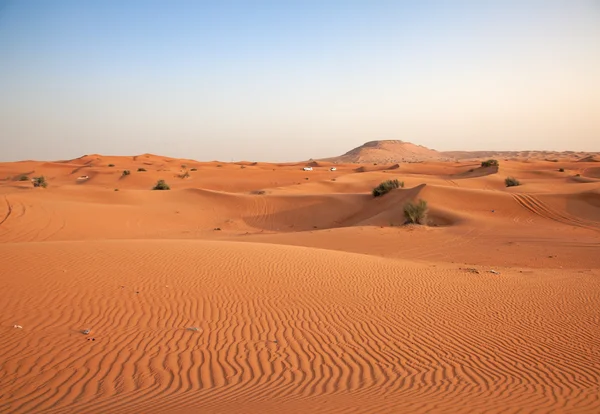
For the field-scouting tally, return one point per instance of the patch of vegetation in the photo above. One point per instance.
(125, 173)
(23, 178)
(416, 213)
(258, 192)
(490, 163)
(116, 189)
(111, 165)
(194, 169)
(161, 185)
(387, 186)
(183, 166)
(40, 182)
(511, 182)
(471, 170)
(184, 175)
(577, 175)
(561, 170)
(242, 166)
(141, 169)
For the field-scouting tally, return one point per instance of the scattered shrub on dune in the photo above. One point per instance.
(126, 172)
(40, 182)
(116, 189)
(23, 178)
(511, 182)
(161, 185)
(183, 166)
(561, 170)
(184, 175)
(194, 169)
(387, 186)
(490, 163)
(416, 213)
(111, 165)
(141, 169)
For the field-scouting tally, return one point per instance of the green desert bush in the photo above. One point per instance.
(125, 173)
(511, 182)
(416, 213)
(161, 185)
(387, 186)
(40, 181)
(490, 163)
(23, 178)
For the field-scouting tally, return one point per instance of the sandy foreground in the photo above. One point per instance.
(254, 287)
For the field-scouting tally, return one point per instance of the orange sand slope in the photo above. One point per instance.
(255, 287)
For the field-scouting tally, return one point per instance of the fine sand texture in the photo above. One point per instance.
(262, 288)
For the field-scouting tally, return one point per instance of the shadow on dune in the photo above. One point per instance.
(365, 168)
(311, 212)
(474, 173)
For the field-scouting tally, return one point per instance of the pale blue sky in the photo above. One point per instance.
(290, 80)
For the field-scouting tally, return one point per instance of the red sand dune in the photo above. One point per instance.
(305, 293)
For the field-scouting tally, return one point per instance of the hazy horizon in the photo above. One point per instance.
(287, 81)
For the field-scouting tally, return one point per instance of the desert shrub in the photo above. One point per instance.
(40, 182)
(141, 169)
(116, 189)
(184, 175)
(416, 213)
(511, 182)
(471, 170)
(161, 185)
(386, 186)
(561, 170)
(194, 169)
(126, 172)
(490, 163)
(111, 165)
(23, 178)
(577, 175)
(242, 166)
(183, 166)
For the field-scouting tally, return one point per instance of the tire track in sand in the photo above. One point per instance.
(536, 206)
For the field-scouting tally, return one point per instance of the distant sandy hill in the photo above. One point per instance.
(387, 152)
(396, 151)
